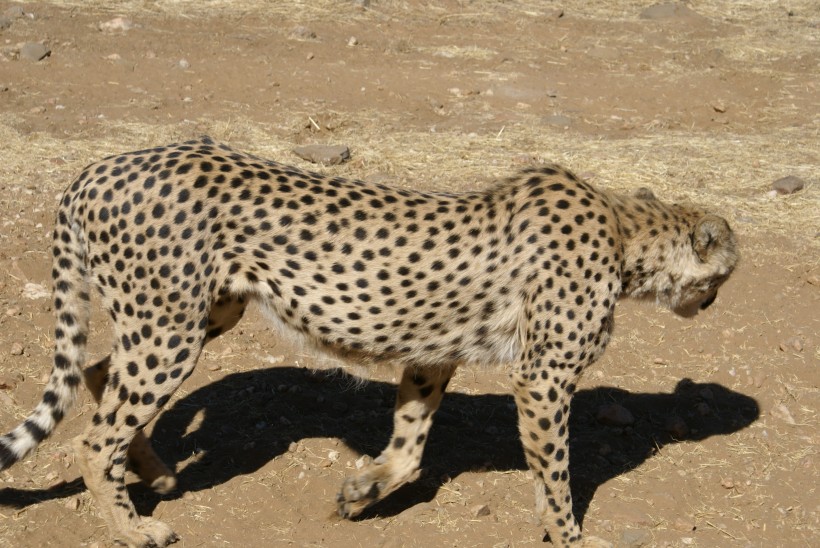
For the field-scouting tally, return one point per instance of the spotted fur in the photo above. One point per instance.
(179, 239)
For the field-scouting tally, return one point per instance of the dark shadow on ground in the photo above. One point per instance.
(252, 417)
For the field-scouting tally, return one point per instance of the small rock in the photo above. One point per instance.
(635, 538)
(676, 427)
(642, 193)
(333, 456)
(184, 64)
(814, 280)
(480, 510)
(302, 33)
(73, 504)
(727, 483)
(793, 344)
(719, 107)
(11, 312)
(328, 155)
(15, 12)
(557, 120)
(121, 24)
(214, 367)
(16, 349)
(788, 185)
(34, 51)
(614, 414)
(7, 383)
(682, 523)
(353, 41)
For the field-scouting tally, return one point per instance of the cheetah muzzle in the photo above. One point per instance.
(178, 240)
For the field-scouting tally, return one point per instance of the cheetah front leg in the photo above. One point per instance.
(418, 398)
(543, 389)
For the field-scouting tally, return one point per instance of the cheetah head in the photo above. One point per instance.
(707, 263)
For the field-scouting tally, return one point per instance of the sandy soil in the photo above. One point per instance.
(710, 104)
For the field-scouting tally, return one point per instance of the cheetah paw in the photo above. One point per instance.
(357, 493)
(150, 533)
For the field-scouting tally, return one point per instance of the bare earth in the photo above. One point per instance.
(709, 105)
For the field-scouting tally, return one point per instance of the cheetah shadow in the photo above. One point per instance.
(253, 417)
(238, 424)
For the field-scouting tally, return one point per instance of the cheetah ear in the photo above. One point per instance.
(644, 193)
(711, 234)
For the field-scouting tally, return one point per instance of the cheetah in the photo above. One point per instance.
(179, 239)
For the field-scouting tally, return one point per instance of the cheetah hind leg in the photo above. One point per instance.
(142, 459)
(419, 396)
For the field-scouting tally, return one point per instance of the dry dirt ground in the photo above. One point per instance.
(710, 104)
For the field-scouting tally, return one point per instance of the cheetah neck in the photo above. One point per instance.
(656, 247)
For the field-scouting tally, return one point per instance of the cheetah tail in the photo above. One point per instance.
(71, 318)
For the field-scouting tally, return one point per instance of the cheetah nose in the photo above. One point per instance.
(709, 300)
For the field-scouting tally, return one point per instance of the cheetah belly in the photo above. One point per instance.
(403, 335)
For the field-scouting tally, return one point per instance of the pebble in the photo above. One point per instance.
(793, 344)
(12, 312)
(302, 33)
(7, 383)
(184, 64)
(34, 51)
(614, 414)
(116, 24)
(682, 523)
(480, 510)
(14, 12)
(214, 367)
(788, 185)
(353, 41)
(727, 483)
(16, 349)
(635, 538)
(73, 503)
(328, 155)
